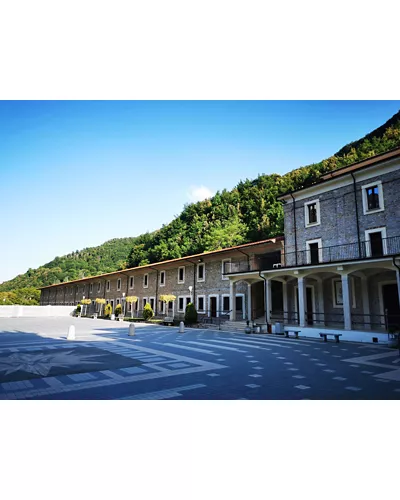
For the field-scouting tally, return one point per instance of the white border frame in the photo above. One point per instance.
(119, 283)
(365, 200)
(184, 297)
(108, 286)
(368, 240)
(154, 299)
(99, 287)
(131, 279)
(306, 214)
(144, 276)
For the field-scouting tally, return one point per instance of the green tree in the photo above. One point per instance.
(190, 314)
(147, 312)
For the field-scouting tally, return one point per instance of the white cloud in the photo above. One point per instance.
(199, 193)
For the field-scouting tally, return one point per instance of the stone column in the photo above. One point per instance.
(232, 289)
(249, 302)
(365, 300)
(302, 301)
(285, 302)
(268, 300)
(346, 301)
(321, 306)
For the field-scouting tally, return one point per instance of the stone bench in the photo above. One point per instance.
(168, 320)
(325, 335)
(295, 332)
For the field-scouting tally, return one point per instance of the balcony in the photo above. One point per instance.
(371, 249)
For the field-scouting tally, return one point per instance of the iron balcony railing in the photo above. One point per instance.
(314, 256)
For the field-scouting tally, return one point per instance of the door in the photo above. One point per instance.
(314, 257)
(239, 307)
(213, 307)
(391, 304)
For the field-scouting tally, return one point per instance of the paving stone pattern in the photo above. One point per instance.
(37, 362)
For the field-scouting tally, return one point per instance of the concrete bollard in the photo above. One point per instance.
(181, 327)
(131, 330)
(71, 333)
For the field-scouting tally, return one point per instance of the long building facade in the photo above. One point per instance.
(201, 279)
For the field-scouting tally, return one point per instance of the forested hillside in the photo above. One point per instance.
(249, 212)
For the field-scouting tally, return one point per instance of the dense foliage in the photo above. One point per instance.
(148, 312)
(249, 212)
(190, 314)
(29, 296)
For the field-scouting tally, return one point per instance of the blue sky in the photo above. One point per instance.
(77, 173)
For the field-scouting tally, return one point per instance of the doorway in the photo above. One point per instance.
(391, 304)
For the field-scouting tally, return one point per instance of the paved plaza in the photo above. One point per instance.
(38, 362)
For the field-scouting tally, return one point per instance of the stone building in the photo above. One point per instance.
(199, 278)
(341, 259)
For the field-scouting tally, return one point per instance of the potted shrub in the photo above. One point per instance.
(107, 311)
(118, 312)
(190, 314)
(247, 329)
(78, 310)
(147, 312)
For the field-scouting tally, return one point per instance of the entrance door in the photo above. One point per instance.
(239, 307)
(213, 307)
(391, 304)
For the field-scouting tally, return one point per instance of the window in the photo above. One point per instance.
(91, 287)
(152, 302)
(375, 242)
(182, 303)
(144, 301)
(99, 287)
(372, 197)
(162, 278)
(200, 303)
(108, 285)
(226, 303)
(145, 281)
(314, 251)
(131, 282)
(161, 305)
(226, 268)
(201, 272)
(119, 284)
(312, 213)
(181, 275)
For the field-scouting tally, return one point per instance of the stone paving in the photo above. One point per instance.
(103, 362)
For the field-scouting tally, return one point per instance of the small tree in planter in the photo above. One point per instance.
(107, 311)
(118, 310)
(85, 302)
(190, 314)
(101, 302)
(78, 310)
(147, 312)
(167, 299)
(131, 300)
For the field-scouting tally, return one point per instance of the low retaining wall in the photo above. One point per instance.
(35, 311)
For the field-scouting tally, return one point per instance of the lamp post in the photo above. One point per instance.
(190, 291)
(124, 305)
